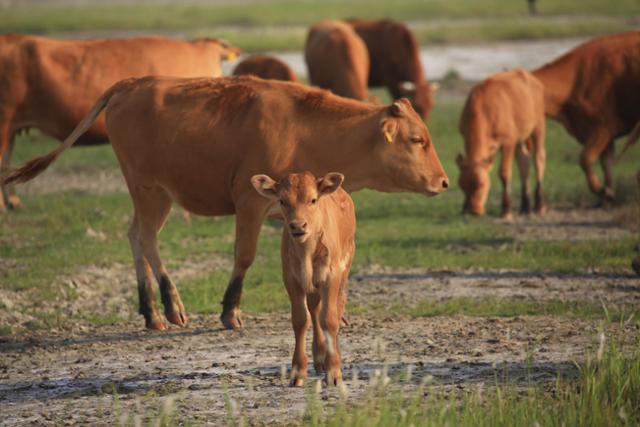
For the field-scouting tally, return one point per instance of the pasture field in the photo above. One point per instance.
(494, 320)
(281, 24)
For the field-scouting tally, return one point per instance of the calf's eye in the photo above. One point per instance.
(313, 201)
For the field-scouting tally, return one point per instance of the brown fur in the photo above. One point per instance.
(395, 58)
(317, 251)
(173, 146)
(504, 112)
(337, 59)
(594, 91)
(266, 67)
(51, 84)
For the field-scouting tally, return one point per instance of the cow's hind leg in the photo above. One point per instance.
(523, 167)
(146, 290)
(592, 150)
(539, 162)
(11, 200)
(248, 223)
(152, 208)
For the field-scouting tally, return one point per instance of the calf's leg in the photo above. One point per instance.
(330, 323)
(152, 208)
(606, 161)
(523, 167)
(300, 323)
(319, 341)
(539, 162)
(10, 199)
(505, 177)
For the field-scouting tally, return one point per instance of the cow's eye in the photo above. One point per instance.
(282, 203)
(417, 139)
(313, 201)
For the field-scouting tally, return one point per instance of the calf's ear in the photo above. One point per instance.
(329, 183)
(264, 185)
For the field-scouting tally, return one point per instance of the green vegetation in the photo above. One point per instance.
(606, 393)
(49, 238)
(281, 24)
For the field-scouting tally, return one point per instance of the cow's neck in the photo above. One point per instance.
(350, 149)
(557, 78)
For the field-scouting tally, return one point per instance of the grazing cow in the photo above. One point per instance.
(198, 142)
(594, 91)
(51, 84)
(504, 112)
(395, 61)
(317, 251)
(337, 59)
(266, 67)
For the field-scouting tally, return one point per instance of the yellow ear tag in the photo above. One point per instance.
(231, 57)
(388, 137)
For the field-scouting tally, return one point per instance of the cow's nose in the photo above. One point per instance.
(298, 226)
(445, 183)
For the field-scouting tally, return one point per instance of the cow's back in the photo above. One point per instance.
(337, 59)
(64, 78)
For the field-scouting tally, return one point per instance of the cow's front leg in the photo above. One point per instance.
(248, 223)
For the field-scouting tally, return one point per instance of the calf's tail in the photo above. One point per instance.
(37, 165)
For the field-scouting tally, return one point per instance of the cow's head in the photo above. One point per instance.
(420, 95)
(298, 195)
(475, 182)
(407, 155)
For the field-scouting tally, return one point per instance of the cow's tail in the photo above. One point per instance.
(633, 138)
(37, 165)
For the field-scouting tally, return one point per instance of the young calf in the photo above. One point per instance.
(504, 112)
(317, 251)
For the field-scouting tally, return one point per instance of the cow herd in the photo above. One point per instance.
(258, 147)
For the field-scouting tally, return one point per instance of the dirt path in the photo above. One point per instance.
(69, 377)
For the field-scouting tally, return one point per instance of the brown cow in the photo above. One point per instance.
(317, 250)
(395, 61)
(51, 84)
(504, 112)
(266, 67)
(337, 59)
(198, 142)
(594, 91)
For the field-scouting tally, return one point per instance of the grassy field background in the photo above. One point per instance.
(49, 237)
(281, 24)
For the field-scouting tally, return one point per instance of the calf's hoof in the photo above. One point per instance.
(231, 320)
(177, 317)
(333, 377)
(155, 324)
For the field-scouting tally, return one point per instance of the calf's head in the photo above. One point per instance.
(475, 183)
(298, 195)
(407, 156)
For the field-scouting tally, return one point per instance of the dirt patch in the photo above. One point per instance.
(90, 181)
(44, 376)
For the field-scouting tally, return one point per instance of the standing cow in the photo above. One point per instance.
(266, 67)
(318, 244)
(51, 84)
(337, 59)
(198, 142)
(594, 91)
(504, 112)
(395, 62)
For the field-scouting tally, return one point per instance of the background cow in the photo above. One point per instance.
(198, 142)
(504, 112)
(266, 67)
(337, 59)
(594, 91)
(395, 61)
(51, 84)
(318, 244)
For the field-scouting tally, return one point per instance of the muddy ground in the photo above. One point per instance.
(100, 375)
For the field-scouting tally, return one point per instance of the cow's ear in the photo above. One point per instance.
(264, 185)
(389, 128)
(329, 183)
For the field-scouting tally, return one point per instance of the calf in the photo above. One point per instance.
(317, 251)
(504, 112)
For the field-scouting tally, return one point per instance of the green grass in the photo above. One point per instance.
(606, 393)
(447, 20)
(49, 239)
